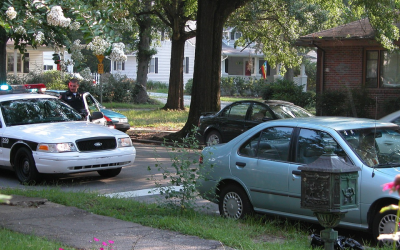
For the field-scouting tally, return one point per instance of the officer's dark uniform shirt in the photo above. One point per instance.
(75, 100)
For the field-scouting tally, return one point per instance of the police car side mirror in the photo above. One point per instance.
(96, 115)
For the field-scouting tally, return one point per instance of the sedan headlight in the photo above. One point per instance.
(56, 147)
(124, 142)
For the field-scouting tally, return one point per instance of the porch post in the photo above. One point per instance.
(15, 62)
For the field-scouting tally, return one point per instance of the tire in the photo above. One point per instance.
(109, 172)
(234, 203)
(214, 137)
(25, 167)
(384, 223)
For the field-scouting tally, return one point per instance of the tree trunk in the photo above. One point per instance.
(143, 59)
(175, 89)
(289, 75)
(3, 55)
(211, 17)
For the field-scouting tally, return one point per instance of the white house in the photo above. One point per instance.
(160, 64)
(34, 59)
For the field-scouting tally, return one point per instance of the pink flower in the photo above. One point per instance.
(61, 248)
(101, 248)
(111, 241)
(104, 244)
(95, 239)
(393, 186)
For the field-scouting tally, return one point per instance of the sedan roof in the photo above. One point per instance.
(332, 122)
(9, 97)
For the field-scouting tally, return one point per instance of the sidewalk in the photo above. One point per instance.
(76, 228)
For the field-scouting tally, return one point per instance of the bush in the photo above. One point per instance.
(188, 87)
(287, 91)
(155, 86)
(356, 102)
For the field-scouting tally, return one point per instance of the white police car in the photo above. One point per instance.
(42, 135)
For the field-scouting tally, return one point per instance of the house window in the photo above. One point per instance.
(382, 69)
(260, 64)
(186, 65)
(249, 67)
(119, 65)
(47, 67)
(153, 67)
(10, 62)
(238, 35)
(227, 65)
(233, 35)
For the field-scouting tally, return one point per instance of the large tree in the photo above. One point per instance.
(176, 14)
(211, 17)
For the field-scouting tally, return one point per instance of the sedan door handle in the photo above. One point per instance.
(240, 164)
(296, 172)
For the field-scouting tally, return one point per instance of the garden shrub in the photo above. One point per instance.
(287, 91)
(188, 87)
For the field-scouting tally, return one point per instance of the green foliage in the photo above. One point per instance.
(390, 105)
(155, 86)
(288, 91)
(189, 86)
(355, 102)
(184, 157)
(233, 86)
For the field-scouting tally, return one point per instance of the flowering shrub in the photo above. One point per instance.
(11, 13)
(98, 46)
(392, 187)
(56, 17)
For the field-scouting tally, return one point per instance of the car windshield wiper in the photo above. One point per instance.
(387, 165)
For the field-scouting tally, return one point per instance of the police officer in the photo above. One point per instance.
(73, 97)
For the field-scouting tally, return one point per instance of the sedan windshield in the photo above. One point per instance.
(376, 147)
(31, 111)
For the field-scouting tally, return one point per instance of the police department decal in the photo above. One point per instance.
(4, 140)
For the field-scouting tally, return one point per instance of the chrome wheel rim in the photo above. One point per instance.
(387, 226)
(232, 205)
(212, 140)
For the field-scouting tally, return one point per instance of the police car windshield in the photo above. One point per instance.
(32, 111)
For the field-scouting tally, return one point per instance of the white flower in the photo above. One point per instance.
(56, 17)
(74, 26)
(39, 37)
(20, 30)
(98, 46)
(117, 52)
(11, 13)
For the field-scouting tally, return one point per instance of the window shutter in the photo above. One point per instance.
(156, 65)
(123, 65)
(115, 65)
(226, 65)
(187, 65)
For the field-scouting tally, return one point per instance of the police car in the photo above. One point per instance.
(40, 134)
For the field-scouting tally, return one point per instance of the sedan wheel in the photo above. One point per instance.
(213, 138)
(25, 167)
(234, 203)
(384, 223)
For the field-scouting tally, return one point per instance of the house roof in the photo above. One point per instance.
(357, 30)
(228, 50)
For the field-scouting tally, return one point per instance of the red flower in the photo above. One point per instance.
(393, 186)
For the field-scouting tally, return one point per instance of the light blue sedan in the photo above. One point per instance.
(258, 170)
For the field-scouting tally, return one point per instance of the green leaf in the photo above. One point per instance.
(390, 207)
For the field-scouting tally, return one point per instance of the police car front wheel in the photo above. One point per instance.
(25, 167)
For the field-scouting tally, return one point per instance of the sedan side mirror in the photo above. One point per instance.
(96, 115)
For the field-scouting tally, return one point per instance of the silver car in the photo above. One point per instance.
(258, 170)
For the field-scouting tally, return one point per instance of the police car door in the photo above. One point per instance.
(91, 106)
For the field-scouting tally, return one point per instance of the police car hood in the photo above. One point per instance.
(59, 132)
